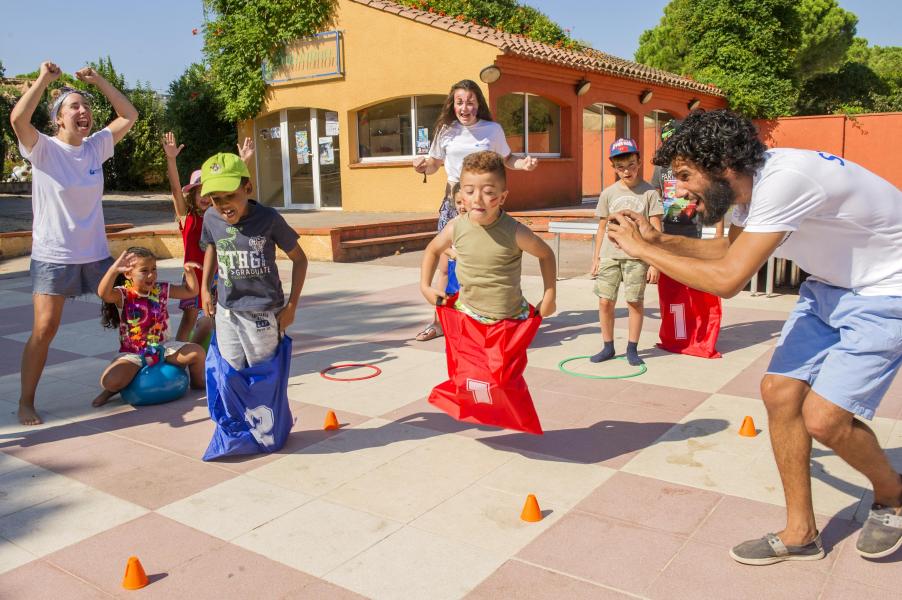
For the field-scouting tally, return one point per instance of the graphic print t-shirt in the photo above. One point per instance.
(680, 214)
(246, 252)
(643, 199)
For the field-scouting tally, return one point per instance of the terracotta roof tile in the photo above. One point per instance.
(588, 59)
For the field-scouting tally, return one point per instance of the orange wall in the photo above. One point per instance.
(870, 140)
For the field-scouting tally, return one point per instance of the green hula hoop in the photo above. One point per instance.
(560, 365)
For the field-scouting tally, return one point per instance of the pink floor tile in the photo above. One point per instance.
(840, 589)
(597, 389)
(674, 400)
(39, 579)
(162, 545)
(164, 481)
(43, 445)
(702, 568)
(884, 573)
(11, 357)
(736, 520)
(110, 457)
(651, 503)
(748, 383)
(611, 434)
(21, 318)
(516, 579)
(605, 551)
(232, 572)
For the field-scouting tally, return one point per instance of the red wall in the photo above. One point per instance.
(870, 140)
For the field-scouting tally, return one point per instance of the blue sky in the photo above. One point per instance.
(152, 41)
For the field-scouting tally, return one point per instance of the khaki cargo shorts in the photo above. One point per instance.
(611, 271)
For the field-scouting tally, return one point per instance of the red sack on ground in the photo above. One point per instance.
(690, 319)
(485, 370)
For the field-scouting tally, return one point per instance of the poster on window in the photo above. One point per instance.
(302, 147)
(331, 123)
(275, 133)
(326, 151)
(422, 140)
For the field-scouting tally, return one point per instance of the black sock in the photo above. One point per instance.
(632, 354)
(606, 353)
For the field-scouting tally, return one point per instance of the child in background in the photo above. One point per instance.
(136, 303)
(240, 238)
(489, 245)
(461, 206)
(610, 264)
(189, 214)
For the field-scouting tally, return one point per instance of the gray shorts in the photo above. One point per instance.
(246, 338)
(58, 279)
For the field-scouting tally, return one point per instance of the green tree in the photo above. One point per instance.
(196, 115)
(745, 47)
(240, 34)
(870, 80)
(827, 34)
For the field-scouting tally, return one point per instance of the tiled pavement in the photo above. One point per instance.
(644, 482)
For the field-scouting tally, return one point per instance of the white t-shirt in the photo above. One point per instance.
(457, 141)
(66, 194)
(844, 223)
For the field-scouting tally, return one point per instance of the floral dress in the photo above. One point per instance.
(143, 320)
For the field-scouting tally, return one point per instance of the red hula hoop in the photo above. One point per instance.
(376, 371)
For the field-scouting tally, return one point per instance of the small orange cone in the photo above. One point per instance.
(331, 423)
(531, 511)
(135, 577)
(748, 428)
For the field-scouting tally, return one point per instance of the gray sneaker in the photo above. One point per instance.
(770, 549)
(881, 534)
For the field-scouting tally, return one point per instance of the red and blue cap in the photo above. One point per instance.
(623, 146)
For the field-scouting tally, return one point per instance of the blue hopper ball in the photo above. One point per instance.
(158, 384)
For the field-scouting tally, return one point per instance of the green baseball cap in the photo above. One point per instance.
(222, 173)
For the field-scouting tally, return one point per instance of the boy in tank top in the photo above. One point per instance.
(489, 245)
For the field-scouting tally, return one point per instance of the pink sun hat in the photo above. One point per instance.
(195, 182)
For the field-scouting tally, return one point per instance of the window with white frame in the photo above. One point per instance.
(532, 124)
(397, 129)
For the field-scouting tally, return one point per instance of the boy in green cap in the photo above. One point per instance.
(240, 236)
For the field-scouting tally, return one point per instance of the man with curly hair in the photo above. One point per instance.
(842, 345)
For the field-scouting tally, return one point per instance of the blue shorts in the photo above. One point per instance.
(847, 347)
(58, 279)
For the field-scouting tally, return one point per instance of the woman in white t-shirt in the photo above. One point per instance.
(464, 126)
(69, 252)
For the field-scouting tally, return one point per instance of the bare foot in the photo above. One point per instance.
(102, 398)
(28, 415)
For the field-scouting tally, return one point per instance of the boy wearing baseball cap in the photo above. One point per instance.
(610, 264)
(240, 238)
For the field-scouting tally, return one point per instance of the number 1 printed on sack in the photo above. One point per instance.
(679, 320)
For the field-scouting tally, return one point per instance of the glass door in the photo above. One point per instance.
(298, 154)
(301, 159)
(269, 161)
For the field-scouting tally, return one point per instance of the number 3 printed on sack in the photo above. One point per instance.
(480, 390)
(260, 421)
(679, 320)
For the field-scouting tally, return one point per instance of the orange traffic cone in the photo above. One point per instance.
(135, 577)
(531, 511)
(748, 428)
(331, 423)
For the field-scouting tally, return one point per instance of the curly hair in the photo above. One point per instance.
(485, 162)
(109, 312)
(715, 141)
